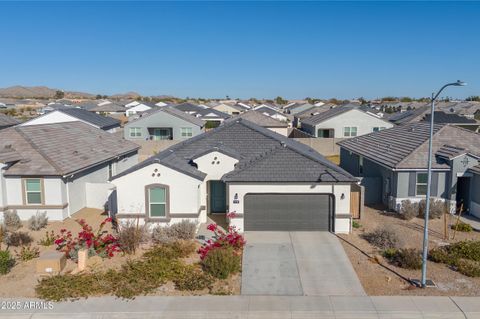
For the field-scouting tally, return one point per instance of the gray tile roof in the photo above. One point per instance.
(319, 118)
(264, 156)
(406, 146)
(169, 110)
(448, 118)
(110, 107)
(59, 149)
(199, 111)
(314, 110)
(259, 119)
(475, 169)
(103, 122)
(6, 121)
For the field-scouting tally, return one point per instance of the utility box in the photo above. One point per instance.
(51, 262)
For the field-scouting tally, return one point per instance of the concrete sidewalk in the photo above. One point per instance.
(258, 307)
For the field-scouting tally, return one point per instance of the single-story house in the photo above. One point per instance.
(7, 121)
(230, 109)
(109, 108)
(441, 117)
(59, 168)
(163, 123)
(209, 115)
(64, 115)
(343, 122)
(272, 112)
(475, 193)
(268, 181)
(393, 164)
(141, 107)
(314, 110)
(295, 108)
(263, 121)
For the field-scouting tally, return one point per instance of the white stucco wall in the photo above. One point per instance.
(215, 165)
(342, 206)
(354, 118)
(137, 108)
(54, 117)
(280, 130)
(184, 190)
(54, 195)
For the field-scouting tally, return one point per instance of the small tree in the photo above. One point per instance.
(59, 94)
(280, 100)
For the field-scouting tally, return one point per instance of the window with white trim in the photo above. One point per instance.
(186, 132)
(378, 128)
(421, 184)
(135, 132)
(157, 201)
(33, 191)
(349, 131)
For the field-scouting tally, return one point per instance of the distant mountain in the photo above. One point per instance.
(126, 96)
(39, 92)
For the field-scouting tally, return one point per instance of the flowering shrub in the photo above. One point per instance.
(99, 243)
(232, 238)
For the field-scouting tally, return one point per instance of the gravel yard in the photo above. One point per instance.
(379, 277)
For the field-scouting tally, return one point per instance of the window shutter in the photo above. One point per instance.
(412, 183)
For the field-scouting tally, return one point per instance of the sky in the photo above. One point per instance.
(243, 49)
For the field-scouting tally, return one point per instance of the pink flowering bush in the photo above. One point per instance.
(230, 239)
(99, 243)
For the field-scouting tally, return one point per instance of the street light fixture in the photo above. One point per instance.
(429, 181)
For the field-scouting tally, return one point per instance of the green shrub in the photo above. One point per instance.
(27, 253)
(463, 227)
(48, 240)
(191, 278)
(6, 262)
(131, 235)
(440, 255)
(383, 238)
(408, 209)
(356, 224)
(470, 268)
(11, 220)
(222, 262)
(38, 221)
(453, 253)
(136, 277)
(389, 253)
(407, 258)
(17, 239)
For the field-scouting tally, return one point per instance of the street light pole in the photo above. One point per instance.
(429, 181)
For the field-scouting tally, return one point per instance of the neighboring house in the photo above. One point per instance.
(130, 104)
(263, 121)
(269, 181)
(475, 193)
(211, 116)
(88, 105)
(141, 107)
(297, 108)
(409, 116)
(163, 123)
(161, 104)
(314, 110)
(109, 108)
(393, 164)
(59, 168)
(52, 107)
(272, 112)
(441, 117)
(7, 121)
(75, 114)
(343, 122)
(230, 109)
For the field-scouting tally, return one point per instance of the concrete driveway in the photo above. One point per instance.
(297, 263)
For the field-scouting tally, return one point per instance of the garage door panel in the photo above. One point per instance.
(287, 212)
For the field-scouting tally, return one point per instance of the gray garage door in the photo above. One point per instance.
(287, 212)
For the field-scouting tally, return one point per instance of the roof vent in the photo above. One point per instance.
(283, 144)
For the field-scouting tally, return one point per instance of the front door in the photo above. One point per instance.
(463, 194)
(218, 197)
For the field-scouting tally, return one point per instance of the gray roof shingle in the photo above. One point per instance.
(263, 156)
(6, 121)
(169, 110)
(60, 149)
(406, 146)
(259, 119)
(319, 118)
(100, 121)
